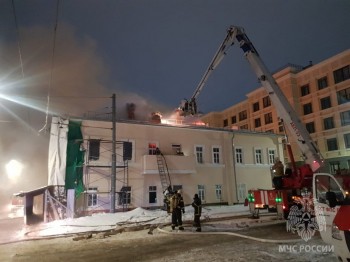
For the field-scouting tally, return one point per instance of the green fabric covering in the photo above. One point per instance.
(75, 158)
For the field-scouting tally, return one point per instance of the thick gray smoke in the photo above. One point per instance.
(75, 81)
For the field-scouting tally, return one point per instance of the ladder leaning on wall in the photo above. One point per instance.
(163, 170)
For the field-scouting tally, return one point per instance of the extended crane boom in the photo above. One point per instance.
(284, 110)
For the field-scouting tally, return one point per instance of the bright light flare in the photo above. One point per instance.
(14, 169)
(37, 105)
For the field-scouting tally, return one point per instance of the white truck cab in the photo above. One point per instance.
(331, 196)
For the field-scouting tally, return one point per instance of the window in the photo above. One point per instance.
(345, 118)
(244, 126)
(242, 115)
(332, 144)
(271, 156)
(216, 155)
(280, 125)
(152, 148)
(234, 120)
(124, 195)
(239, 155)
(326, 184)
(177, 187)
(256, 107)
(335, 166)
(307, 108)
(177, 149)
(258, 156)
(310, 127)
(341, 74)
(322, 83)
(152, 194)
(328, 123)
(266, 101)
(325, 102)
(199, 154)
(304, 90)
(343, 96)
(225, 122)
(92, 196)
(347, 140)
(257, 122)
(201, 192)
(218, 192)
(94, 149)
(127, 150)
(268, 118)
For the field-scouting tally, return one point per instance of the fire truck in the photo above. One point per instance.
(330, 194)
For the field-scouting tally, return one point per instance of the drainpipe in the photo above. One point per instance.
(234, 164)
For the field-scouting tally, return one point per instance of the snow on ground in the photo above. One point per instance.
(138, 216)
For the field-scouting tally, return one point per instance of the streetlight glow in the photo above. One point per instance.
(14, 169)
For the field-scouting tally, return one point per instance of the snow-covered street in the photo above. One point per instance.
(228, 234)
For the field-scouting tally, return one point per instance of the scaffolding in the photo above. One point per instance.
(100, 172)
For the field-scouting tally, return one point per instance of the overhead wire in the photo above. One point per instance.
(52, 67)
(18, 37)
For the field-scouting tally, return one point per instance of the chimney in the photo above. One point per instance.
(130, 109)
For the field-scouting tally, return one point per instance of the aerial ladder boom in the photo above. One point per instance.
(285, 112)
(190, 107)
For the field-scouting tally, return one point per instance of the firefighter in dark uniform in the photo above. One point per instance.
(177, 207)
(278, 171)
(197, 205)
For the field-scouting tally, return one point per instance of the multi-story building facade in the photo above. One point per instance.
(320, 94)
(220, 165)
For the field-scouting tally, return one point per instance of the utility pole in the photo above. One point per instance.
(114, 160)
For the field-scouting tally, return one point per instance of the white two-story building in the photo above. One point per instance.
(219, 164)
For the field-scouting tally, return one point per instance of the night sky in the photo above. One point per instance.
(152, 53)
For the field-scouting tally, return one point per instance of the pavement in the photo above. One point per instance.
(14, 229)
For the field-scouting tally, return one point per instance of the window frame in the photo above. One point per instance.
(332, 144)
(307, 109)
(345, 118)
(92, 197)
(201, 192)
(268, 118)
(271, 157)
(322, 83)
(310, 127)
(152, 148)
(239, 155)
(256, 106)
(216, 155)
(152, 194)
(341, 74)
(305, 90)
(257, 122)
(343, 96)
(328, 123)
(258, 156)
(218, 192)
(266, 101)
(325, 103)
(347, 140)
(199, 154)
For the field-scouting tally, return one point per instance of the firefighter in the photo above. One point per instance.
(197, 205)
(278, 171)
(177, 207)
